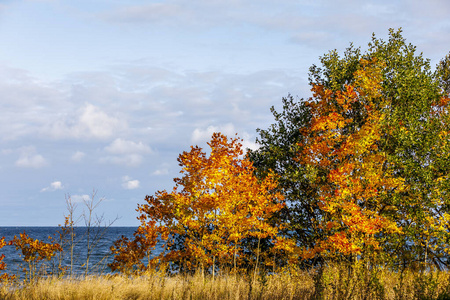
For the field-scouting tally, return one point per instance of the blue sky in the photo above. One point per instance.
(103, 95)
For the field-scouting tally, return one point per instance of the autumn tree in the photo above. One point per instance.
(351, 177)
(34, 252)
(411, 122)
(415, 142)
(203, 221)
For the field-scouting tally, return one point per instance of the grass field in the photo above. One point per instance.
(337, 283)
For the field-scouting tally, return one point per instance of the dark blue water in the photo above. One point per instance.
(100, 255)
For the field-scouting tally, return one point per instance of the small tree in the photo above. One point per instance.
(89, 236)
(34, 253)
(202, 223)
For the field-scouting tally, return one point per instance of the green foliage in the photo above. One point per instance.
(279, 147)
(414, 141)
(443, 71)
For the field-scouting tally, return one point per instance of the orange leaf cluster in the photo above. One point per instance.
(33, 249)
(214, 206)
(4, 277)
(349, 173)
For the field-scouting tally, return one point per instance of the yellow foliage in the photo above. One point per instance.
(215, 205)
(351, 196)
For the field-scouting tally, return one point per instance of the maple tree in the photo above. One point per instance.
(203, 222)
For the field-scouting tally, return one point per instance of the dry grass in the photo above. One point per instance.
(157, 287)
(337, 284)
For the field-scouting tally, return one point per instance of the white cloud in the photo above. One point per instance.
(129, 160)
(55, 185)
(120, 146)
(78, 156)
(202, 13)
(167, 80)
(130, 184)
(26, 105)
(249, 142)
(30, 159)
(127, 153)
(90, 122)
(203, 135)
(7, 151)
(163, 170)
(155, 12)
(311, 38)
(80, 198)
(97, 122)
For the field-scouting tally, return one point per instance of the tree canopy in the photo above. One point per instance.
(204, 221)
(371, 143)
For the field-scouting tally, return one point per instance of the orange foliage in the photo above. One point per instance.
(202, 222)
(349, 173)
(34, 251)
(4, 277)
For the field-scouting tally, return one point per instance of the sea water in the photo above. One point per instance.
(100, 238)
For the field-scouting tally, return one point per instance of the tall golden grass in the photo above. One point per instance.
(336, 283)
(161, 287)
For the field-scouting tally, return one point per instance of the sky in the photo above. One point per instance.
(99, 97)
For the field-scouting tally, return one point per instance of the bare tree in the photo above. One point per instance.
(95, 228)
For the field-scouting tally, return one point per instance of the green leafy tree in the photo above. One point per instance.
(415, 142)
(413, 138)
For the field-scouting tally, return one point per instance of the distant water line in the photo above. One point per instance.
(99, 258)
